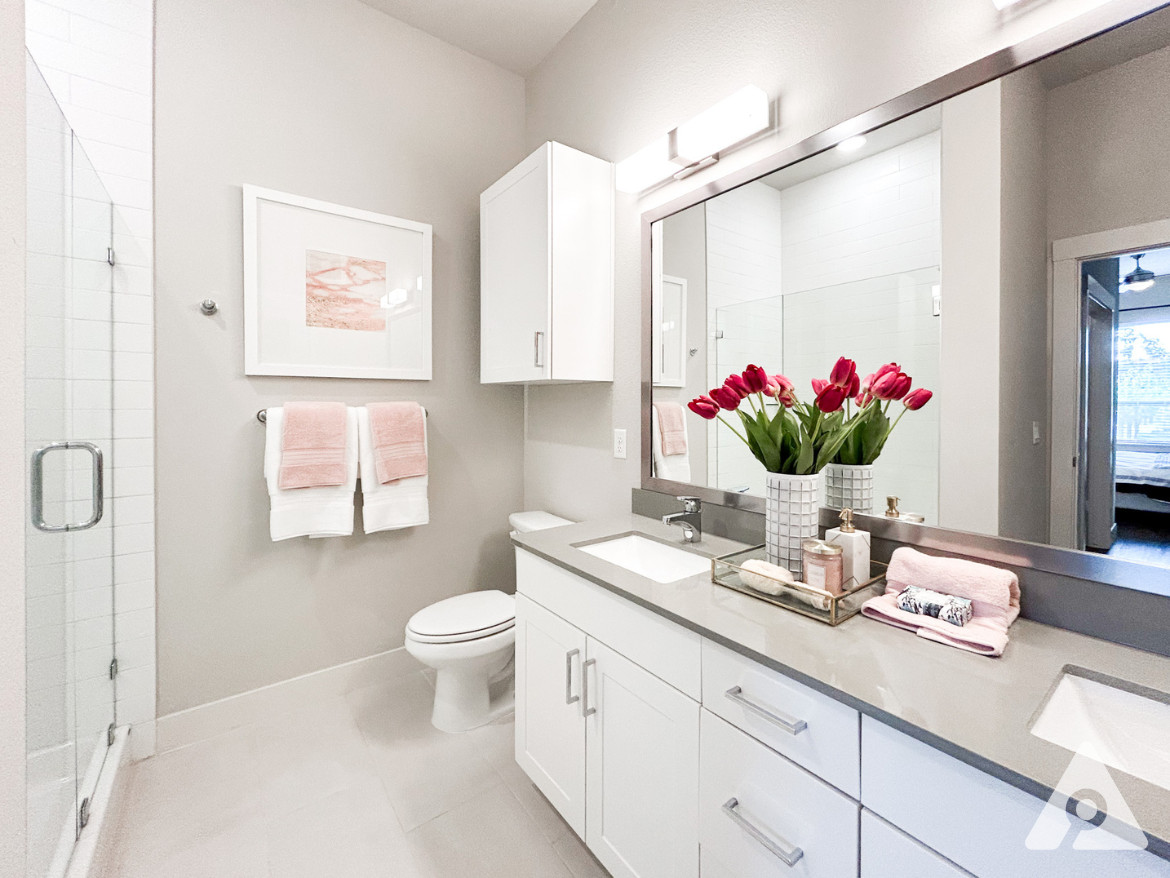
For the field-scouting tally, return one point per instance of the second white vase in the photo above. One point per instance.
(849, 487)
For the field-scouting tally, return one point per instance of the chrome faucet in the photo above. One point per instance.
(690, 519)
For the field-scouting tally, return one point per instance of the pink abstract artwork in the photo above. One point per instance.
(344, 292)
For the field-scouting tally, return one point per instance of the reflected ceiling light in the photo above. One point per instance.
(1140, 278)
(1004, 4)
(852, 144)
(694, 144)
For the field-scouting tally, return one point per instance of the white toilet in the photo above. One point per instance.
(470, 642)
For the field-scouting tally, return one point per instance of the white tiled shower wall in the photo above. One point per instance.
(869, 221)
(97, 56)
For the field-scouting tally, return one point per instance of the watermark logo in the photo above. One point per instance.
(1103, 821)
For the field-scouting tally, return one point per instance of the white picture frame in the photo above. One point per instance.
(333, 291)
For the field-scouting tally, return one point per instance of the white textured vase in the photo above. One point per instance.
(849, 487)
(792, 507)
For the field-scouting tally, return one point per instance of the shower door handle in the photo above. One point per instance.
(37, 487)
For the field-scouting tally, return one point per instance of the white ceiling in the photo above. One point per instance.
(515, 34)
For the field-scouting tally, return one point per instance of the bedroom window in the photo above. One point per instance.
(1143, 379)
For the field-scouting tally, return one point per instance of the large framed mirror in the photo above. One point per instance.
(1003, 235)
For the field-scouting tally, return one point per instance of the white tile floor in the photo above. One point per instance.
(346, 788)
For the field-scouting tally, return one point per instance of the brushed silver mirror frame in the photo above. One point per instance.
(1068, 562)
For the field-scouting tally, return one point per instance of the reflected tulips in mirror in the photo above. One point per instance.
(848, 422)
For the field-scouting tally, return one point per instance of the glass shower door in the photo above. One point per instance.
(69, 542)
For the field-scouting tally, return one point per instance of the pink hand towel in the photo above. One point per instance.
(672, 427)
(312, 445)
(400, 448)
(994, 594)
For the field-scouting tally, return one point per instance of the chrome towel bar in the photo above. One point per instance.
(262, 415)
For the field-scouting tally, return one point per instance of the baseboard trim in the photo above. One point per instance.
(186, 727)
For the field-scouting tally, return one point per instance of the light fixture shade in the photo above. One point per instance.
(731, 120)
(1140, 278)
(1004, 4)
(852, 144)
(647, 166)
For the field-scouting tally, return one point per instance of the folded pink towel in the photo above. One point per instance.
(994, 594)
(312, 445)
(399, 437)
(672, 428)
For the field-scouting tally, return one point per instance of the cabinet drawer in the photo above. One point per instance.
(755, 807)
(765, 704)
(980, 823)
(888, 853)
(668, 651)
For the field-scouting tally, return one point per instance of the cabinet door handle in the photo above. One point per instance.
(790, 724)
(789, 854)
(570, 698)
(538, 349)
(586, 710)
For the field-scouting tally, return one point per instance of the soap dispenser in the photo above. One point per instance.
(854, 545)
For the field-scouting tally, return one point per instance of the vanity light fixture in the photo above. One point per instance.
(852, 144)
(1139, 279)
(696, 143)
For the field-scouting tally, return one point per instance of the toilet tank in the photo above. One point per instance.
(526, 522)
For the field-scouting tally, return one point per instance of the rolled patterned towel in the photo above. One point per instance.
(925, 602)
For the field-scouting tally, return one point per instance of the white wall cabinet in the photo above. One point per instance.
(546, 270)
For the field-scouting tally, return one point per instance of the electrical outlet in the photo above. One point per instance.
(619, 444)
(1035, 432)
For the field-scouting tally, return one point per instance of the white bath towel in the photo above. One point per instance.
(396, 505)
(309, 512)
(676, 467)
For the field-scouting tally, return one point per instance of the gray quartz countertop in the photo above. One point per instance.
(975, 708)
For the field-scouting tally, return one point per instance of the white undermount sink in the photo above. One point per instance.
(648, 558)
(1126, 727)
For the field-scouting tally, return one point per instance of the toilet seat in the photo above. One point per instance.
(464, 617)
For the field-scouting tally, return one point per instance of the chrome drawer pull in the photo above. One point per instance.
(790, 724)
(570, 698)
(586, 710)
(789, 854)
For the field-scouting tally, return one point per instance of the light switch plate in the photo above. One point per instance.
(619, 444)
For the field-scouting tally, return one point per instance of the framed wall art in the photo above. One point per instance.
(333, 291)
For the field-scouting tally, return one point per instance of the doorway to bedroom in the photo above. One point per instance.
(1125, 482)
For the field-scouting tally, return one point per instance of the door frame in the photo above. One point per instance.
(1065, 382)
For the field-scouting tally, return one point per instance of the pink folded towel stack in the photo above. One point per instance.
(312, 445)
(672, 427)
(399, 439)
(994, 596)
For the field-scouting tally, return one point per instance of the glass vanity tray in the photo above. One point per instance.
(798, 597)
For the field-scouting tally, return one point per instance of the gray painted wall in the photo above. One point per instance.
(12, 466)
(1023, 311)
(630, 71)
(328, 99)
(684, 254)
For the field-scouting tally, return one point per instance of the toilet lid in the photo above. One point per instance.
(465, 616)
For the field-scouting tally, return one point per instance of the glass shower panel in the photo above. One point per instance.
(69, 391)
(872, 320)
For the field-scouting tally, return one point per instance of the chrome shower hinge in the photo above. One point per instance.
(83, 813)
(113, 667)
(110, 735)
(110, 255)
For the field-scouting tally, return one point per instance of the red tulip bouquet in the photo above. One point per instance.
(875, 394)
(847, 422)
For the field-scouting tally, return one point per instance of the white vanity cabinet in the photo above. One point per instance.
(673, 756)
(546, 270)
(604, 727)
